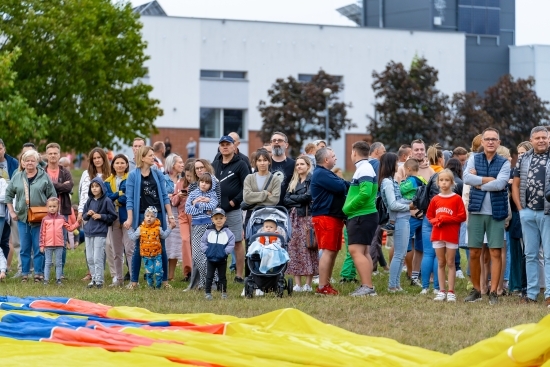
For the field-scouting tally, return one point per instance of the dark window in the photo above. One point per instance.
(211, 74)
(305, 77)
(234, 75)
(233, 121)
(481, 17)
(210, 123)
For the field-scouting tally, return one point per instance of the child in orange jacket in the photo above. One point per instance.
(52, 240)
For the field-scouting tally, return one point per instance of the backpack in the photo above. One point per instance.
(383, 215)
(422, 198)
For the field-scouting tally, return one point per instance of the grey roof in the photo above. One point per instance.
(152, 8)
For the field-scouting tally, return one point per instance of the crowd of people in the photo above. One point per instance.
(429, 202)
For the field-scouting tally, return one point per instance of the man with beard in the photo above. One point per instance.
(282, 165)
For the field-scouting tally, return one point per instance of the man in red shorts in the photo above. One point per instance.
(328, 192)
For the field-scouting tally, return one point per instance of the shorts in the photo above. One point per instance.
(361, 229)
(444, 244)
(235, 223)
(481, 224)
(328, 231)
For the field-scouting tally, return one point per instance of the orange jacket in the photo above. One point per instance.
(149, 242)
(51, 230)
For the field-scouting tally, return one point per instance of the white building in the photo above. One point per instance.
(532, 60)
(210, 74)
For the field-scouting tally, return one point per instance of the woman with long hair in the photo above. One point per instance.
(146, 187)
(178, 200)
(119, 243)
(304, 262)
(398, 207)
(174, 167)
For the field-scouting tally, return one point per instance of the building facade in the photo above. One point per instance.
(532, 60)
(210, 75)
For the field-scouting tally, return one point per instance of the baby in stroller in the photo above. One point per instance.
(269, 249)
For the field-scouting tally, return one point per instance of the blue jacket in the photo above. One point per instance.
(328, 192)
(216, 245)
(133, 192)
(499, 199)
(119, 199)
(104, 206)
(13, 164)
(200, 211)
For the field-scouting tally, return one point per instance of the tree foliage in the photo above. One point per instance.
(298, 110)
(18, 121)
(409, 105)
(80, 66)
(515, 109)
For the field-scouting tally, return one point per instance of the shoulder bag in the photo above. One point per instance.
(35, 214)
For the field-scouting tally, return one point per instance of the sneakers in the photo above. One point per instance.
(208, 296)
(493, 298)
(436, 291)
(363, 290)
(327, 290)
(224, 295)
(424, 291)
(297, 288)
(307, 288)
(526, 300)
(315, 279)
(91, 284)
(459, 274)
(416, 282)
(451, 297)
(474, 296)
(238, 280)
(441, 296)
(259, 293)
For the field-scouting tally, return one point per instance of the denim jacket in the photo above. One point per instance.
(393, 199)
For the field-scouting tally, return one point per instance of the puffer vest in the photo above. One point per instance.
(149, 241)
(524, 172)
(499, 199)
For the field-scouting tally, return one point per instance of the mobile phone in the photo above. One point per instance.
(183, 191)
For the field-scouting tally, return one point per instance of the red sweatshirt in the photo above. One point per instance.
(445, 213)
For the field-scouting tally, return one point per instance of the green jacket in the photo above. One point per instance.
(361, 199)
(41, 189)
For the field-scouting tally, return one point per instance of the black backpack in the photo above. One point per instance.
(383, 215)
(422, 198)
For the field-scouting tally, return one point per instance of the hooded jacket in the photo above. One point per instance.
(200, 211)
(102, 205)
(40, 190)
(216, 245)
(118, 197)
(51, 231)
(231, 177)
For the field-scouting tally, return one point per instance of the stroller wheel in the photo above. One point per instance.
(289, 285)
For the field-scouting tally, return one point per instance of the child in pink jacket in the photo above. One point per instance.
(52, 240)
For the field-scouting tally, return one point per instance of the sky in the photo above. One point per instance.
(532, 24)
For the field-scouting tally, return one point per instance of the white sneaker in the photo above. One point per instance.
(242, 293)
(404, 269)
(436, 291)
(307, 288)
(451, 297)
(459, 274)
(440, 296)
(424, 291)
(297, 288)
(259, 293)
(315, 279)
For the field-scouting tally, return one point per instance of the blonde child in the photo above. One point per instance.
(445, 212)
(52, 240)
(150, 233)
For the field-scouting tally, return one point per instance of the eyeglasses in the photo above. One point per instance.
(490, 140)
(278, 141)
(199, 168)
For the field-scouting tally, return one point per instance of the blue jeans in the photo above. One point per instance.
(429, 260)
(136, 259)
(51, 254)
(400, 241)
(415, 226)
(536, 231)
(29, 237)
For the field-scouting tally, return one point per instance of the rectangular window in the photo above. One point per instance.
(305, 77)
(479, 17)
(211, 74)
(223, 74)
(215, 122)
(210, 123)
(234, 75)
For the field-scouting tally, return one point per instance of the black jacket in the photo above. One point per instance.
(459, 184)
(300, 198)
(243, 157)
(231, 177)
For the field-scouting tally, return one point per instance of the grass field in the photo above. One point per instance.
(409, 318)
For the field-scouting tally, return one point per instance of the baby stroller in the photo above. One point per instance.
(274, 280)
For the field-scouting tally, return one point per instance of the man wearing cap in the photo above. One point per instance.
(231, 170)
(237, 142)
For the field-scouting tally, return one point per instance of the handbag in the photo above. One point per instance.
(35, 214)
(311, 239)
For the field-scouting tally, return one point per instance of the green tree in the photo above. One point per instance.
(298, 110)
(409, 105)
(18, 121)
(515, 109)
(80, 66)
